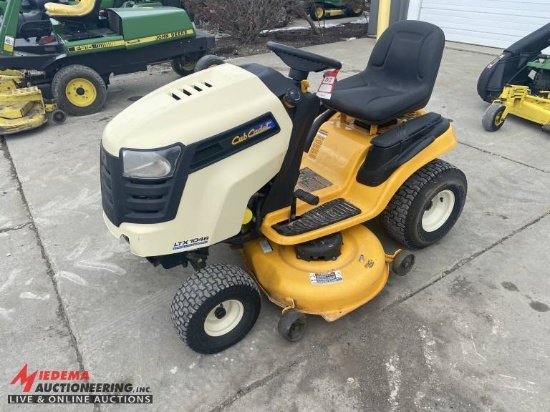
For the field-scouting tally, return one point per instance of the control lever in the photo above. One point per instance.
(304, 196)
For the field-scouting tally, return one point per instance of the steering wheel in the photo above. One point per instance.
(302, 62)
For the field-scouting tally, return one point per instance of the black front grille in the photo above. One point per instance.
(137, 200)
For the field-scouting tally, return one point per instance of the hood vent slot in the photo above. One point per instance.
(190, 90)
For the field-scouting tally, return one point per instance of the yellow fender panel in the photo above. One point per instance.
(329, 289)
(336, 155)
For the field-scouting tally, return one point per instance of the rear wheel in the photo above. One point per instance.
(493, 119)
(426, 206)
(215, 308)
(79, 90)
(317, 12)
(183, 69)
(353, 12)
(208, 61)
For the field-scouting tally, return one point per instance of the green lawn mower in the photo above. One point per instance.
(333, 8)
(75, 58)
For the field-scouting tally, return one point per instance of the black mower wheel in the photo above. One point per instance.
(215, 308)
(403, 263)
(492, 119)
(317, 12)
(59, 116)
(426, 206)
(79, 90)
(183, 69)
(208, 61)
(292, 325)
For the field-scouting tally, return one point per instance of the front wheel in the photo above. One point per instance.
(79, 90)
(426, 206)
(215, 308)
(493, 118)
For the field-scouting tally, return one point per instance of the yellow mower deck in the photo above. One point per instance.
(518, 101)
(21, 108)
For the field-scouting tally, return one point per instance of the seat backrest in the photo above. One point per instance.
(407, 55)
(80, 9)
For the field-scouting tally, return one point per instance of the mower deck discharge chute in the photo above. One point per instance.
(245, 158)
(73, 63)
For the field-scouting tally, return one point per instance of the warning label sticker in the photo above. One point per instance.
(311, 181)
(327, 278)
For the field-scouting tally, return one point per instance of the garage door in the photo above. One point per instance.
(495, 23)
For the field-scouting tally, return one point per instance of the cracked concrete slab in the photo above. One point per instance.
(376, 357)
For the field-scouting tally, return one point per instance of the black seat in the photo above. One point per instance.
(399, 77)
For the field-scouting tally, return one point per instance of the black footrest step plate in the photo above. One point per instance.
(328, 213)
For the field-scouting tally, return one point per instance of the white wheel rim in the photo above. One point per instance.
(224, 318)
(438, 211)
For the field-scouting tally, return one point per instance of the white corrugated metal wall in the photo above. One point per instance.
(495, 23)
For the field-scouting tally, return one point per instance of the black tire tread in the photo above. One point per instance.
(202, 285)
(488, 120)
(394, 217)
(70, 72)
(207, 61)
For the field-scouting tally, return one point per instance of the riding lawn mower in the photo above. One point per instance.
(72, 59)
(247, 156)
(518, 82)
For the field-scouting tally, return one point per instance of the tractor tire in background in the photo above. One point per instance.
(183, 69)
(353, 12)
(317, 12)
(426, 206)
(79, 90)
(207, 61)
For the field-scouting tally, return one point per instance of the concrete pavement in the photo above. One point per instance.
(467, 330)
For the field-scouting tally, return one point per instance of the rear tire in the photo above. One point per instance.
(426, 206)
(79, 90)
(215, 308)
(208, 61)
(492, 119)
(317, 12)
(183, 69)
(353, 12)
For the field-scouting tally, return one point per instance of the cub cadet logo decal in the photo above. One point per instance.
(253, 132)
(185, 244)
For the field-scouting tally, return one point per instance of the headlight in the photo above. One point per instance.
(150, 164)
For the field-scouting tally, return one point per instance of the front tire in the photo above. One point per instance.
(215, 308)
(79, 90)
(353, 12)
(492, 119)
(426, 206)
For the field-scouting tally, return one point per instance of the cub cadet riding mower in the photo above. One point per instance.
(520, 80)
(87, 48)
(229, 166)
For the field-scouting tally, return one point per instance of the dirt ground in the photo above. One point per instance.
(330, 32)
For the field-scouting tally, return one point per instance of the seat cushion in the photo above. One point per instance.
(372, 103)
(399, 76)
